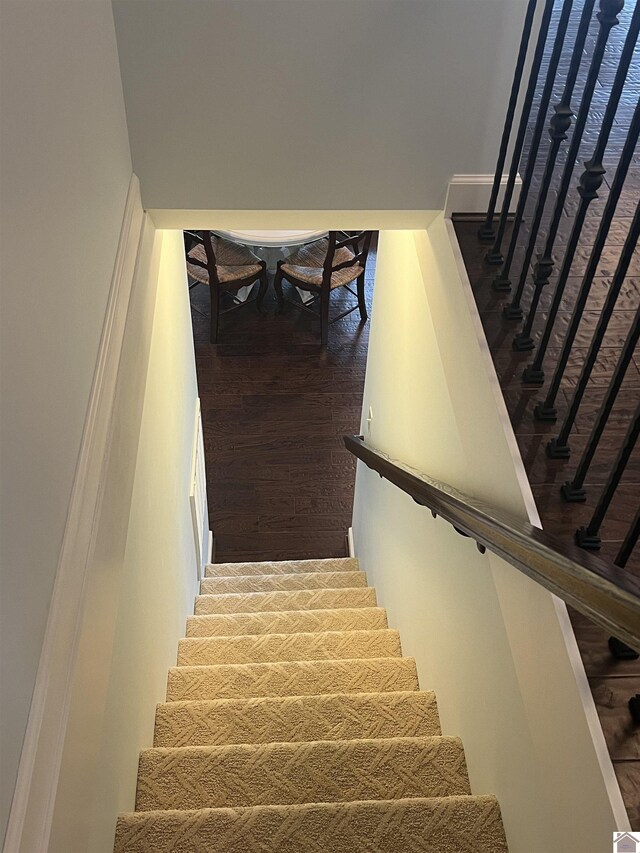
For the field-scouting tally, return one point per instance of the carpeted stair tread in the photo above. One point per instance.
(287, 622)
(197, 777)
(292, 678)
(422, 825)
(268, 648)
(285, 567)
(300, 599)
(268, 583)
(343, 716)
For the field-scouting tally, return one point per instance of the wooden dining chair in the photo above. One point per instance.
(225, 267)
(322, 267)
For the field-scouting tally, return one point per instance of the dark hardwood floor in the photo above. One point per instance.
(274, 410)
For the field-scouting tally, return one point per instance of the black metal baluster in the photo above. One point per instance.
(559, 447)
(589, 184)
(558, 127)
(620, 650)
(624, 652)
(494, 255)
(589, 536)
(630, 542)
(591, 178)
(607, 16)
(573, 490)
(502, 281)
(486, 231)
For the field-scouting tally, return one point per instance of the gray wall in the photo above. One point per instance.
(65, 168)
(313, 104)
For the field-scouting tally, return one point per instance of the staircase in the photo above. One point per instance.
(293, 724)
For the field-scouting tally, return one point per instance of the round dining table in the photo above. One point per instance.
(271, 246)
(273, 239)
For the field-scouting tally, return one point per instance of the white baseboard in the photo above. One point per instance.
(471, 193)
(33, 803)
(210, 548)
(350, 543)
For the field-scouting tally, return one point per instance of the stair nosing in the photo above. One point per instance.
(341, 589)
(340, 661)
(281, 575)
(238, 637)
(303, 696)
(290, 612)
(378, 742)
(328, 804)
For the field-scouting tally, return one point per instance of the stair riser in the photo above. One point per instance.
(271, 583)
(319, 772)
(307, 678)
(336, 645)
(298, 719)
(269, 602)
(401, 826)
(243, 624)
(285, 567)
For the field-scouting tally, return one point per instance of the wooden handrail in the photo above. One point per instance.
(605, 593)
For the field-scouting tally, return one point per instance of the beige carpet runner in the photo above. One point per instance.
(294, 725)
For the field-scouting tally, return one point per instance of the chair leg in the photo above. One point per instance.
(264, 286)
(277, 286)
(324, 318)
(215, 313)
(362, 305)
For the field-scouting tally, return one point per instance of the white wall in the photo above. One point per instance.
(143, 577)
(65, 168)
(330, 104)
(496, 647)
